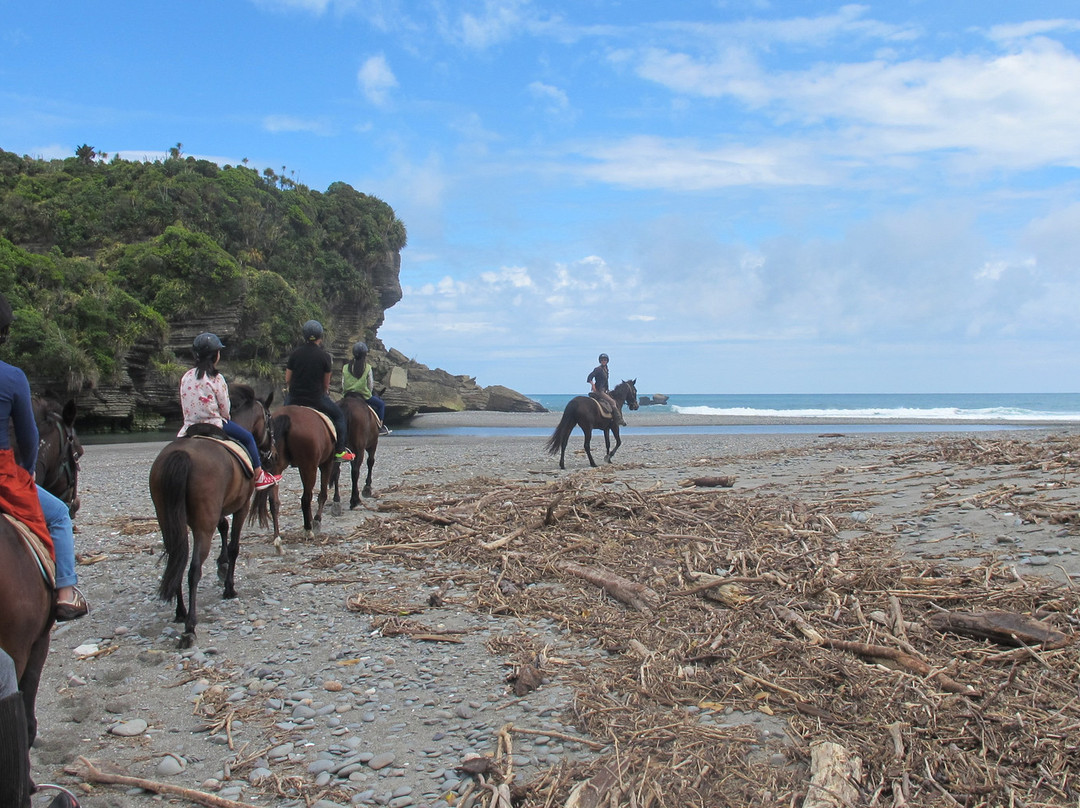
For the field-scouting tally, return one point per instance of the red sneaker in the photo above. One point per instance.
(345, 456)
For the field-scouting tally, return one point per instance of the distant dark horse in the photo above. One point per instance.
(585, 412)
(199, 483)
(59, 451)
(363, 438)
(302, 438)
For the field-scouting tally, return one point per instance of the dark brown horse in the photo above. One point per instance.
(302, 438)
(198, 483)
(59, 451)
(585, 412)
(26, 616)
(363, 439)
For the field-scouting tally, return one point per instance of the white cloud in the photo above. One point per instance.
(555, 99)
(290, 123)
(376, 79)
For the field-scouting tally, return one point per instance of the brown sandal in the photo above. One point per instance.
(73, 610)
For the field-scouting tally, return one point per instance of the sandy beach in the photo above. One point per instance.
(368, 666)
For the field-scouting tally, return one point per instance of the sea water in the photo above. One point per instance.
(825, 407)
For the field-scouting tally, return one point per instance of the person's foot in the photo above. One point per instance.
(384, 429)
(72, 607)
(266, 480)
(344, 456)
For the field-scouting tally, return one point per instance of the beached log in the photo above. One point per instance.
(726, 481)
(835, 775)
(96, 775)
(594, 792)
(1003, 628)
(633, 594)
(912, 664)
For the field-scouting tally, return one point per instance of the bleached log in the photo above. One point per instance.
(835, 775)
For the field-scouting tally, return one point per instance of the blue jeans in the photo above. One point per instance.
(9, 682)
(58, 521)
(237, 432)
(379, 406)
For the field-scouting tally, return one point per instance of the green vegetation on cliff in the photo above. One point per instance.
(98, 257)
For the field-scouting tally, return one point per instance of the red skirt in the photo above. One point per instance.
(19, 497)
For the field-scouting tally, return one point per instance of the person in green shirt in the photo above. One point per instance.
(358, 380)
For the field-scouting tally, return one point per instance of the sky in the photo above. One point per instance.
(725, 196)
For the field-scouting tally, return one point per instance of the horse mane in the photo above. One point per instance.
(241, 395)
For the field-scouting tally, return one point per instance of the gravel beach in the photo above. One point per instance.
(291, 698)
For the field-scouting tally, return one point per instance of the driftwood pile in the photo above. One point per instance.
(894, 683)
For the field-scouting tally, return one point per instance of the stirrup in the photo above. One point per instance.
(63, 799)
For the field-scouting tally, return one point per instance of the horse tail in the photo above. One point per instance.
(174, 528)
(563, 430)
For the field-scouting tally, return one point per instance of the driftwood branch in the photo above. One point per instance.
(96, 775)
(904, 661)
(633, 594)
(1003, 628)
(835, 775)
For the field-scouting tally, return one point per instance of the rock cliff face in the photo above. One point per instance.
(143, 396)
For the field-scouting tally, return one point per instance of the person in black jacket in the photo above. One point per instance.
(600, 390)
(307, 382)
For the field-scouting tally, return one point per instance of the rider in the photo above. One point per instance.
(307, 383)
(204, 399)
(357, 380)
(20, 497)
(599, 381)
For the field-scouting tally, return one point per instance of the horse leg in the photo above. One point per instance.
(307, 477)
(31, 678)
(607, 445)
(234, 551)
(588, 445)
(199, 551)
(367, 482)
(324, 480)
(335, 475)
(223, 556)
(618, 443)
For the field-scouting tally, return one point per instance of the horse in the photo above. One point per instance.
(197, 483)
(27, 602)
(59, 451)
(585, 412)
(363, 437)
(302, 438)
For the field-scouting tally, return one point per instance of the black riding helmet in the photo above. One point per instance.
(604, 358)
(206, 345)
(312, 330)
(359, 349)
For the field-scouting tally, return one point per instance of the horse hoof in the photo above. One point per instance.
(367, 493)
(309, 535)
(335, 509)
(278, 546)
(187, 639)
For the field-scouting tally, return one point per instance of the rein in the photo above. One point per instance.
(69, 459)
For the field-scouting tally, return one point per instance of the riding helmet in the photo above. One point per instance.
(313, 330)
(206, 345)
(604, 357)
(359, 349)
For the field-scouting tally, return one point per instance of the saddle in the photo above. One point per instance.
(37, 549)
(216, 433)
(603, 406)
(326, 420)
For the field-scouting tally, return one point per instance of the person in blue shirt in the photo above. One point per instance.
(21, 497)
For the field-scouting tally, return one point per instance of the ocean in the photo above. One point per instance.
(912, 407)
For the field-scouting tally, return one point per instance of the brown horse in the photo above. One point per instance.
(363, 438)
(26, 616)
(302, 438)
(59, 451)
(585, 412)
(198, 483)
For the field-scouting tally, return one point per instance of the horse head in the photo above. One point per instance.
(59, 450)
(629, 390)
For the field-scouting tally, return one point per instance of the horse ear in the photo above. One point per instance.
(69, 412)
(269, 398)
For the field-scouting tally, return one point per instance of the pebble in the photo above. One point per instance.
(129, 729)
(170, 765)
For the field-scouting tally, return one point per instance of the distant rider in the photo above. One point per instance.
(357, 379)
(599, 381)
(307, 383)
(204, 399)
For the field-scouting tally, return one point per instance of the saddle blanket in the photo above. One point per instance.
(326, 420)
(239, 451)
(37, 549)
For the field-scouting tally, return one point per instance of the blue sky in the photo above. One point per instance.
(729, 197)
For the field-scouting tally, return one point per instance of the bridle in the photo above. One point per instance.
(67, 471)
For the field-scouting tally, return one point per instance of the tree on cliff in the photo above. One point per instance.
(100, 257)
